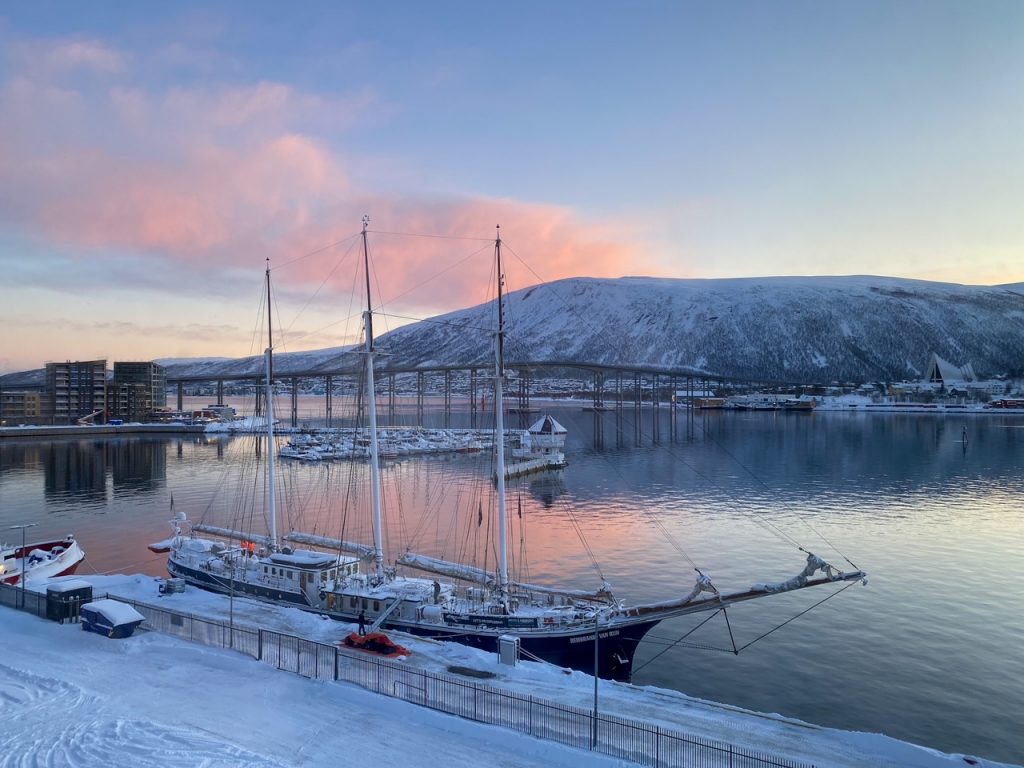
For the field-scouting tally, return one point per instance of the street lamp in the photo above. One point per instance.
(597, 626)
(24, 557)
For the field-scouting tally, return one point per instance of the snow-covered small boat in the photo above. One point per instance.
(39, 561)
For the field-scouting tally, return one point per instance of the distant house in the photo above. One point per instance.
(943, 373)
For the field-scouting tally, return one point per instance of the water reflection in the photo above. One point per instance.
(929, 651)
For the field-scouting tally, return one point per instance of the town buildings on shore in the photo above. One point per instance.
(86, 392)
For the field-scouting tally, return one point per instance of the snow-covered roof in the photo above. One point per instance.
(303, 558)
(548, 426)
(114, 611)
(70, 585)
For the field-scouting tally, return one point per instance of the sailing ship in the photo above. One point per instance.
(592, 631)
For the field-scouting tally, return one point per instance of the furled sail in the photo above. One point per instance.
(328, 543)
(470, 573)
(228, 533)
(447, 568)
(603, 594)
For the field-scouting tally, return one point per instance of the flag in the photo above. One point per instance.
(480, 513)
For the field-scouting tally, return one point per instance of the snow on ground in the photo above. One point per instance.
(73, 698)
(152, 699)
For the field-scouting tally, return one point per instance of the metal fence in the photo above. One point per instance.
(617, 737)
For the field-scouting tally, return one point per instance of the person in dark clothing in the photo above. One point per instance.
(362, 622)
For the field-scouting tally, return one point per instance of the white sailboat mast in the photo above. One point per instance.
(271, 448)
(499, 425)
(371, 404)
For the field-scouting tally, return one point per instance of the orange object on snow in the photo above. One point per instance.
(375, 642)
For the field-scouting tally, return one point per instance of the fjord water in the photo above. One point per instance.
(929, 651)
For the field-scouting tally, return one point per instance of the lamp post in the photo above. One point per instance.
(593, 738)
(24, 557)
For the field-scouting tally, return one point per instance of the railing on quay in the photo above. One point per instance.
(617, 737)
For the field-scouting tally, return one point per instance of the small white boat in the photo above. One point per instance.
(39, 561)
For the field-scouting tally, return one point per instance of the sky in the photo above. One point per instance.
(154, 700)
(153, 156)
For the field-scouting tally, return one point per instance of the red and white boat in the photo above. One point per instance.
(40, 561)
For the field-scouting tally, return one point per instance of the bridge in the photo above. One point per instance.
(613, 386)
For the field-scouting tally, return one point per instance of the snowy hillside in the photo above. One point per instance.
(284, 362)
(792, 329)
(804, 329)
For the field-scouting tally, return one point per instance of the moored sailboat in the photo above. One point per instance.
(591, 631)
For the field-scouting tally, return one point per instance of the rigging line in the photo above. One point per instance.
(319, 288)
(827, 597)
(583, 319)
(669, 538)
(661, 526)
(578, 528)
(462, 326)
(489, 240)
(800, 516)
(318, 250)
(447, 269)
(677, 642)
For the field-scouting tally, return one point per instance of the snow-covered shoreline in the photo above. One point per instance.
(785, 737)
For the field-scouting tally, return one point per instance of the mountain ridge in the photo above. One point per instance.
(813, 329)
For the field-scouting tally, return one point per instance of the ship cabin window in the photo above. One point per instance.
(273, 571)
(376, 605)
(352, 602)
(290, 575)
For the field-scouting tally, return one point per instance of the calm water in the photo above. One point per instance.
(930, 651)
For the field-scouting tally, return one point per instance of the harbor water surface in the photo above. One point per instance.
(932, 508)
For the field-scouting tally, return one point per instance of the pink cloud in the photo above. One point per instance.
(68, 55)
(214, 178)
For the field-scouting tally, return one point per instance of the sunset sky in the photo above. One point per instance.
(152, 156)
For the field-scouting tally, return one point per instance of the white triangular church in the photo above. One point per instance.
(944, 373)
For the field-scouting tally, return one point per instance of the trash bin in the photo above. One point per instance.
(111, 618)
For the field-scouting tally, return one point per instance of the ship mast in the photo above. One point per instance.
(499, 425)
(271, 449)
(371, 404)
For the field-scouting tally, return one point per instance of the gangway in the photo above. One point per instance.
(85, 421)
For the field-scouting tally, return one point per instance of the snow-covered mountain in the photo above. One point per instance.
(800, 329)
(795, 329)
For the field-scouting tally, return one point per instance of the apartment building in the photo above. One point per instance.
(78, 390)
(137, 390)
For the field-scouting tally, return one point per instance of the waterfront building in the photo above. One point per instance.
(77, 390)
(137, 390)
(21, 407)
